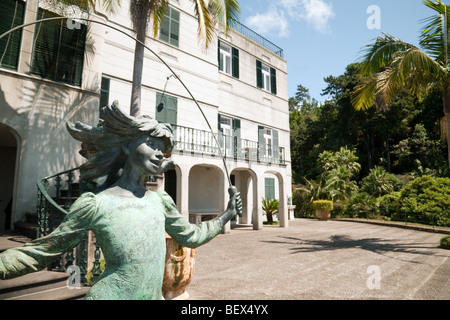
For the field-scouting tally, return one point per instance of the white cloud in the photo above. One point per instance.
(316, 13)
(272, 21)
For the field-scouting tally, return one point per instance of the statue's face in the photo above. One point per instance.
(146, 154)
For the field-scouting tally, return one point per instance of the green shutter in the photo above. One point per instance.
(58, 52)
(261, 143)
(269, 188)
(219, 62)
(275, 147)
(11, 15)
(166, 109)
(259, 81)
(104, 92)
(237, 137)
(273, 80)
(235, 62)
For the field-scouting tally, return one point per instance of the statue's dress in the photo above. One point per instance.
(131, 233)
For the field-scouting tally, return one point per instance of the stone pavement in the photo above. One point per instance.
(322, 261)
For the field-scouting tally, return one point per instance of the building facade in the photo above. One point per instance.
(64, 70)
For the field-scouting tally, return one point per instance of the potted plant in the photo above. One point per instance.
(270, 207)
(323, 209)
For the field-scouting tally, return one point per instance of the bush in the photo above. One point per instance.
(362, 205)
(425, 200)
(303, 205)
(270, 207)
(389, 204)
(445, 242)
(323, 205)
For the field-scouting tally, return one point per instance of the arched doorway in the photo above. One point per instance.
(8, 155)
(245, 181)
(206, 189)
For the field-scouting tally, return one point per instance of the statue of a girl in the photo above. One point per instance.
(129, 221)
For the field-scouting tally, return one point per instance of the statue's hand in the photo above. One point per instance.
(235, 203)
(166, 166)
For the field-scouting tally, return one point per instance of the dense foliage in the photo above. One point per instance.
(389, 164)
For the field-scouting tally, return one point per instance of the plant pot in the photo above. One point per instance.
(179, 270)
(323, 215)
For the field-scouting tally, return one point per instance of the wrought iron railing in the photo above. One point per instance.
(189, 139)
(252, 35)
(55, 196)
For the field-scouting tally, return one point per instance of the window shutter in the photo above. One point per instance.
(104, 92)
(11, 15)
(270, 188)
(273, 80)
(218, 57)
(261, 143)
(167, 112)
(276, 147)
(235, 63)
(237, 137)
(259, 81)
(58, 52)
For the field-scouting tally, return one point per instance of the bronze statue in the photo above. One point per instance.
(128, 220)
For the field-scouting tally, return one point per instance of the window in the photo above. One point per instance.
(11, 15)
(104, 92)
(166, 108)
(170, 27)
(266, 77)
(230, 137)
(228, 59)
(268, 148)
(58, 50)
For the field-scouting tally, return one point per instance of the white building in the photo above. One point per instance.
(58, 71)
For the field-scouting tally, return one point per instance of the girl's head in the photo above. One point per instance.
(103, 145)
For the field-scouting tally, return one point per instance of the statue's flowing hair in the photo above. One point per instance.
(102, 145)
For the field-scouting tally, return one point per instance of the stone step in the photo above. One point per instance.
(42, 285)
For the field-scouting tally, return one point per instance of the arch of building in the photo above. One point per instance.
(9, 153)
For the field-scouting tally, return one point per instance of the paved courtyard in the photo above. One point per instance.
(322, 260)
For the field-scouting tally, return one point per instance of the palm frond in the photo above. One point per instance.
(381, 53)
(205, 22)
(158, 16)
(412, 69)
(225, 11)
(434, 35)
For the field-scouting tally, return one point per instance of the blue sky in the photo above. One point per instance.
(321, 37)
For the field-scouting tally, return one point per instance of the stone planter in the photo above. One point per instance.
(322, 215)
(179, 270)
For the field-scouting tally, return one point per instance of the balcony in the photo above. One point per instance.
(189, 139)
(252, 35)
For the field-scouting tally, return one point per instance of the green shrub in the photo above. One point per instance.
(425, 200)
(389, 204)
(323, 205)
(270, 207)
(302, 202)
(362, 205)
(445, 242)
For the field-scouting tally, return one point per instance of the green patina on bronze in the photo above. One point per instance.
(128, 220)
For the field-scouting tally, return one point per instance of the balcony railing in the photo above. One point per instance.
(189, 139)
(252, 35)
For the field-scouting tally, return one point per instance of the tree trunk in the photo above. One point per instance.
(140, 18)
(135, 104)
(446, 95)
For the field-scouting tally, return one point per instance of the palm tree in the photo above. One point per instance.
(208, 14)
(391, 65)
